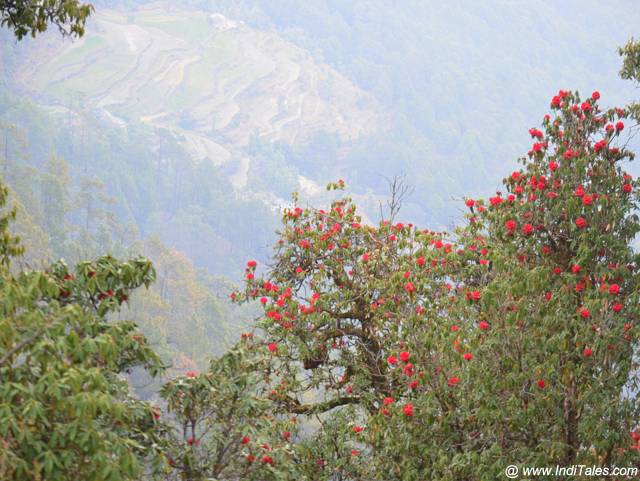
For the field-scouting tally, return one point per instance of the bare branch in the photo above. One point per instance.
(400, 190)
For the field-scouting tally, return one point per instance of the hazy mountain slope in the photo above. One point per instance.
(214, 81)
(462, 81)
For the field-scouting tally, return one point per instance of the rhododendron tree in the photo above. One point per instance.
(339, 304)
(563, 301)
(511, 341)
(357, 318)
(65, 411)
(545, 298)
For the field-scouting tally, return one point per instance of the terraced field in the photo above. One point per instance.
(215, 81)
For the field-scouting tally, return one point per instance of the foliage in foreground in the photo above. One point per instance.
(31, 17)
(65, 411)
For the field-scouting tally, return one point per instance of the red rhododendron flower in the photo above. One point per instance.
(404, 356)
(420, 261)
(595, 95)
(408, 409)
(467, 356)
(614, 289)
(548, 295)
(245, 440)
(483, 325)
(273, 347)
(587, 199)
(581, 222)
(619, 125)
(575, 268)
(470, 202)
(358, 429)
(191, 374)
(409, 287)
(527, 229)
(250, 458)
(454, 380)
(617, 307)
(627, 188)
(413, 384)
(388, 400)
(510, 225)
(408, 369)
(392, 360)
(541, 384)
(473, 295)
(585, 313)
(267, 460)
(454, 328)
(587, 352)
(251, 264)
(535, 133)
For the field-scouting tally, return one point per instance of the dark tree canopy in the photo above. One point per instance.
(34, 16)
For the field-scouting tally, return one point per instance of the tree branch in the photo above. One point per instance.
(296, 408)
(20, 346)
